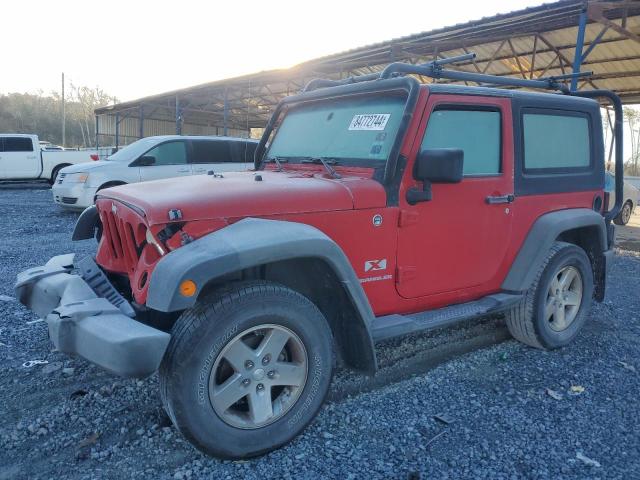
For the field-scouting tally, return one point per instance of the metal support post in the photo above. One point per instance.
(577, 58)
(178, 117)
(117, 131)
(141, 125)
(226, 113)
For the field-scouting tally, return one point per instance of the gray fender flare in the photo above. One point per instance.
(86, 224)
(248, 243)
(540, 238)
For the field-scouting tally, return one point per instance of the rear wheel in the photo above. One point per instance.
(625, 214)
(556, 306)
(247, 369)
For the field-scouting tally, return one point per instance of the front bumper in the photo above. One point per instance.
(75, 196)
(83, 322)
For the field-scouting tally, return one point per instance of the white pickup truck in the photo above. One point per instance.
(22, 158)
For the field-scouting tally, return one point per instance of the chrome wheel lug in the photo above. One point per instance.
(246, 382)
(260, 387)
(266, 359)
(271, 373)
(248, 364)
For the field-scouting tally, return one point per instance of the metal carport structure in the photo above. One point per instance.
(550, 39)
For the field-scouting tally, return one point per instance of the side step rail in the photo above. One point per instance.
(391, 326)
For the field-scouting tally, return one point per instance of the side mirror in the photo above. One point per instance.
(441, 165)
(146, 161)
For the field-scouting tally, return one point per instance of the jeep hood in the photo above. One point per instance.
(239, 195)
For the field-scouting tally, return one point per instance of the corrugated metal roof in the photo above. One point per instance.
(537, 41)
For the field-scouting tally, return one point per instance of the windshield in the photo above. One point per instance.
(356, 129)
(133, 150)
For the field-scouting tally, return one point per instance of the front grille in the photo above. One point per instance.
(69, 200)
(121, 239)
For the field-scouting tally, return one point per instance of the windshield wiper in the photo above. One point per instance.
(278, 161)
(326, 163)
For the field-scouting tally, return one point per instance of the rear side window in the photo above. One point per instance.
(249, 151)
(210, 151)
(18, 144)
(242, 152)
(556, 142)
(169, 153)
(476, 132)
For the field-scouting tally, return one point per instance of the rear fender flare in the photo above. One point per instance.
(545, 230)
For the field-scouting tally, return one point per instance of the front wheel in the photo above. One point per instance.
(54, 174)
(247, 369)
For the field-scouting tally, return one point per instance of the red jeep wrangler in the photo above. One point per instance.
(378, 207)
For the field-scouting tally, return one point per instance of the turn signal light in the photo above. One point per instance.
(188, 288)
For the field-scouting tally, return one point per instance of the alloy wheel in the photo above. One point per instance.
(258, 376)
(563, 298)
(626, 213)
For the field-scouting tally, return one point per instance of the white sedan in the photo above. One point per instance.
(152, 158)
(629, 201)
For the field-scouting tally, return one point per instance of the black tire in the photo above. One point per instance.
(526, 320)
(625, 214)
(198, 338)
(54, 173)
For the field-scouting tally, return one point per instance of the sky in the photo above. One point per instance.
(137, 48)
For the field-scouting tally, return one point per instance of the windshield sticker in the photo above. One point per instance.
(369, 121)
(375, 149)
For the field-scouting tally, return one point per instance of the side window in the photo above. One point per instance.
(210, 151)
(476, 132)
(555, 142)
(18, 144)
(170, 153)
(243, 151)
(250, 150)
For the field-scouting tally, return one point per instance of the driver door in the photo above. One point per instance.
(170, 160)
(455, 245)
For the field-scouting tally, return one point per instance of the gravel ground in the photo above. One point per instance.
(512, 411)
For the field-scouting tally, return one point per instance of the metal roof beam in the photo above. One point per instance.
(596, 13)
(593, 45)
(517, 58)
(426, 54)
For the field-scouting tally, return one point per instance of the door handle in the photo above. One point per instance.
(500, 199)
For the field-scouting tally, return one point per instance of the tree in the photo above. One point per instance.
(40, 114)
(632, 117)
(87, 100)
